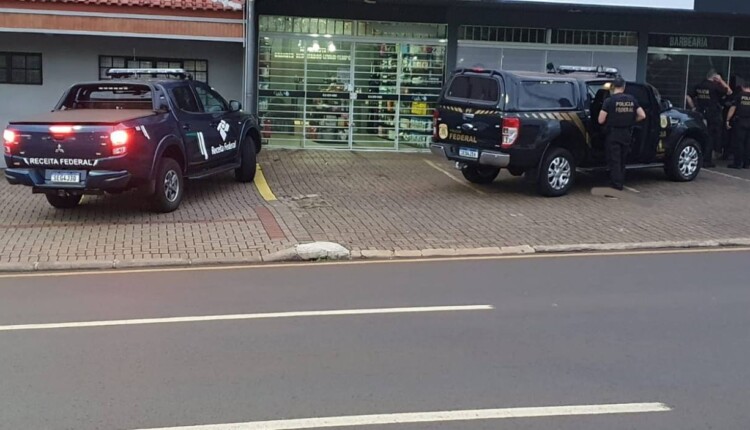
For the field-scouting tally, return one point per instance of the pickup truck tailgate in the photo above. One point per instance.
(63, 142)
(69, 139)
(480, 128)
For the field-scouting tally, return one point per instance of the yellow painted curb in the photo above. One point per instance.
(262, 185)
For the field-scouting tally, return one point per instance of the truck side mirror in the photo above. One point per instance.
(235, 106)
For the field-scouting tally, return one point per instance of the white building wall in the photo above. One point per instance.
(70, 59)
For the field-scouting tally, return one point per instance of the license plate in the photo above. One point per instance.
(65, 177)
(468, 153)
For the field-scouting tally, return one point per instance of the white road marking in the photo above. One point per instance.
(245, 317)
(726, 175)
(455, 179)
(434, 417)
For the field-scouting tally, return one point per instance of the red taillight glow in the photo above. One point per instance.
(435, 118)
(61, 132)
(511, 130)
(10, 136)
(61, 129)
(119, 140)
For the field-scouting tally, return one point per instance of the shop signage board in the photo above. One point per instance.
(681, 41)
(658, 4)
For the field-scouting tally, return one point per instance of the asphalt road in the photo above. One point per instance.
(669, 329)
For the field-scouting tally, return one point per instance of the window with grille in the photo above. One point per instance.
(290, 24)
(596, 38)
(341, 27)
(20, 68)
(197, 68)
(502, 34)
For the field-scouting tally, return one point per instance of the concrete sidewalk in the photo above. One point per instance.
(367, 202)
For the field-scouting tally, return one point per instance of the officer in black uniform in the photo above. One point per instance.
(619, 115)
(706, 97)
(738, 119)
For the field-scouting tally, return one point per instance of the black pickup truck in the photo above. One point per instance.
(544, 126)
(145, 129)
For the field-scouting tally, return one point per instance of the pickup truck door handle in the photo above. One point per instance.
(213, 123)
(186, 126)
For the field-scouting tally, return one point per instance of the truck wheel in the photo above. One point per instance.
(685, 162)
(478, 174)
(246, 171)
(64, 202)
(170, 186)
(557, 173)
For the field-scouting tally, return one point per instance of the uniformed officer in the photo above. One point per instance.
(706, 98)
(738, 119)
(619, 115)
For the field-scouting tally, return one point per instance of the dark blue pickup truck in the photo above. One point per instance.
(145, 129)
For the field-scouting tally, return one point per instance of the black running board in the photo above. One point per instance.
(628, 167)
(214, 171)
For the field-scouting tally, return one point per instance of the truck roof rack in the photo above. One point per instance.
(600, 71)
(476, 70)
(136, 73)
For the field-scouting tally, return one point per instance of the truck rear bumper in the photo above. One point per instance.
(95, 180)
(485, 157)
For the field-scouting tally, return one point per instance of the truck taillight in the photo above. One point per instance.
(435, 118)
(511, 130)
(10, 137)
(61, 129)
(62, 132)
(119, 140)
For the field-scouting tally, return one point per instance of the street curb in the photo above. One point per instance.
(327, 251)
(315, 251)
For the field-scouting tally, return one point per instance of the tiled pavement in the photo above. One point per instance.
(368, 201)
(219, 218)
(401, 201)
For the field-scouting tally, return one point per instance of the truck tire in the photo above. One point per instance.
(170, 186)
(248, 161)
(479, 174)
(557, 173)
(64, 202)
(685, 162)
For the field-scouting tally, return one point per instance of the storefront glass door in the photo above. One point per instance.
(323, 92)
(421, 78)
(281, 91)
(328, 86)
(675, 75)
(376, 71)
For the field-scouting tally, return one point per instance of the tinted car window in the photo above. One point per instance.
(212, 101)
(114, 96)
(478, 88)
(546, 95)
(185, 99)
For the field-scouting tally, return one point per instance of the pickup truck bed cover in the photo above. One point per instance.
(86, 116)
